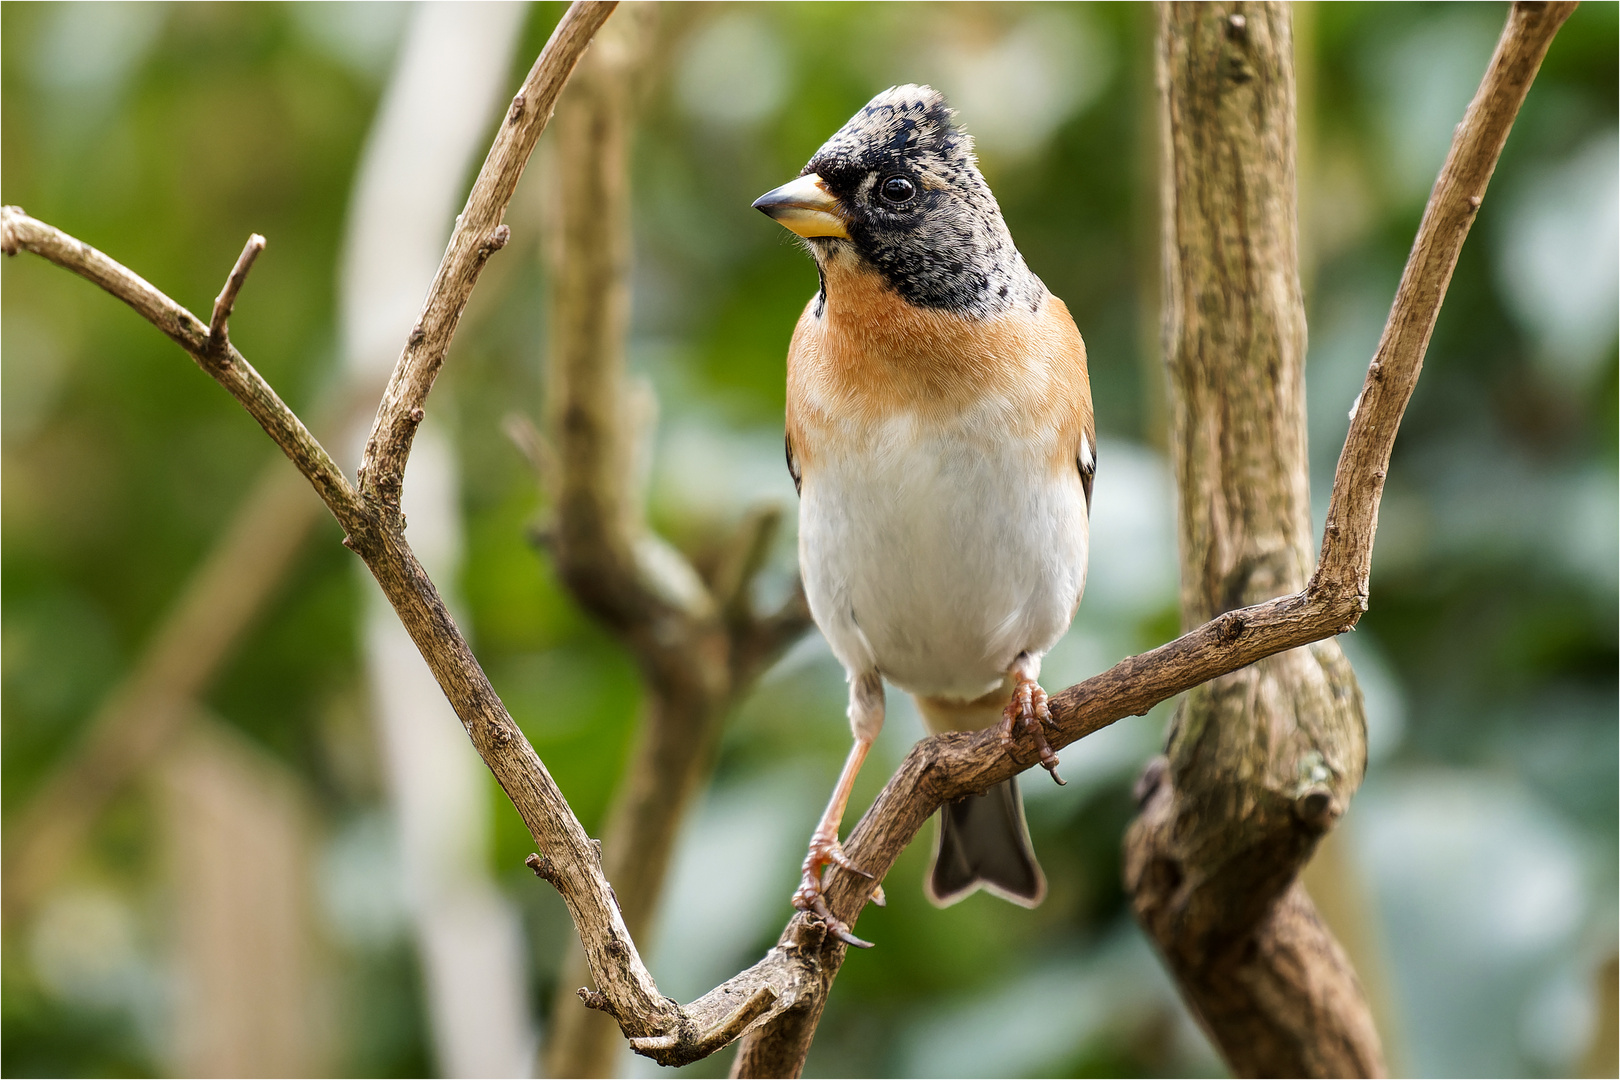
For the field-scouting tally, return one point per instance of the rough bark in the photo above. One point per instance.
(1262, 762)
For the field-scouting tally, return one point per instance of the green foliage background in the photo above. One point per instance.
(165, 134)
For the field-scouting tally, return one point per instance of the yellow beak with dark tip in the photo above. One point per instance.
(806, 207)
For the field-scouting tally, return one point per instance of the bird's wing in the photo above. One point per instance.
(796, 441)
(1067, 355)
(793, 464)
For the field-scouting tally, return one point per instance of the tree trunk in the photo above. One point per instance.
(1262, 762)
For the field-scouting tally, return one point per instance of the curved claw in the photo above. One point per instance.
(841, 932)
(1028, 711)
(827, 851)
(812, 900)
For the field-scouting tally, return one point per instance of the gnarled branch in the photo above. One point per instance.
(794, 977)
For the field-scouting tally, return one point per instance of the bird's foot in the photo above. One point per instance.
(825, 850)
(1028, 711)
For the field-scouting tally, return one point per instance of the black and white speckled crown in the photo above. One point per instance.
(951, 248)
(908, 119)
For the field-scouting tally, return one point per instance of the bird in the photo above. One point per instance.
(940, 434)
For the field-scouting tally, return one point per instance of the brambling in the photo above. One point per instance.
(940, 434)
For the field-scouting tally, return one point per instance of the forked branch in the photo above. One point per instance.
(19, 232)
(779, 999)
(478, 234)
(225, 302)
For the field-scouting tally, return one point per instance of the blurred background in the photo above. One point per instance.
(297, 877)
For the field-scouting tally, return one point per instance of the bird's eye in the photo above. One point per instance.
(897, 189)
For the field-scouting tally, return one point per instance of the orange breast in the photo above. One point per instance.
(871, 356)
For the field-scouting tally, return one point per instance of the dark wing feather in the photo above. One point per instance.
(798, 481)
(1086, 461)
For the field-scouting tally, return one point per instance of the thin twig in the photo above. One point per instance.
(225, 302)
(1459, 192)
(478, 233)
(19, 232)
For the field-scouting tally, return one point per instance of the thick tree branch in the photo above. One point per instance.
(1261, 762)
(779, 998)
(478, 234)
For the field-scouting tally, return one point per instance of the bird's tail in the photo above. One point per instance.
(983, 840)
(983, 843)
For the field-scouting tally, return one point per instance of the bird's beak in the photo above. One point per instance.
(806, 207)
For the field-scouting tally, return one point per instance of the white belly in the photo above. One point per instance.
(937, 556)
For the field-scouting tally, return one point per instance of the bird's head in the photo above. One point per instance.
(898, 191)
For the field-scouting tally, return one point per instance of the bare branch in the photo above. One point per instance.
(19, 232)
(478, 233)
(382, 545)
(1358, 485)
(226, 301)
(794, 977)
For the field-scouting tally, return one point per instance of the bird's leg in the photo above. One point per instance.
(1028, 711)
(866, 717)
(825, 850)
